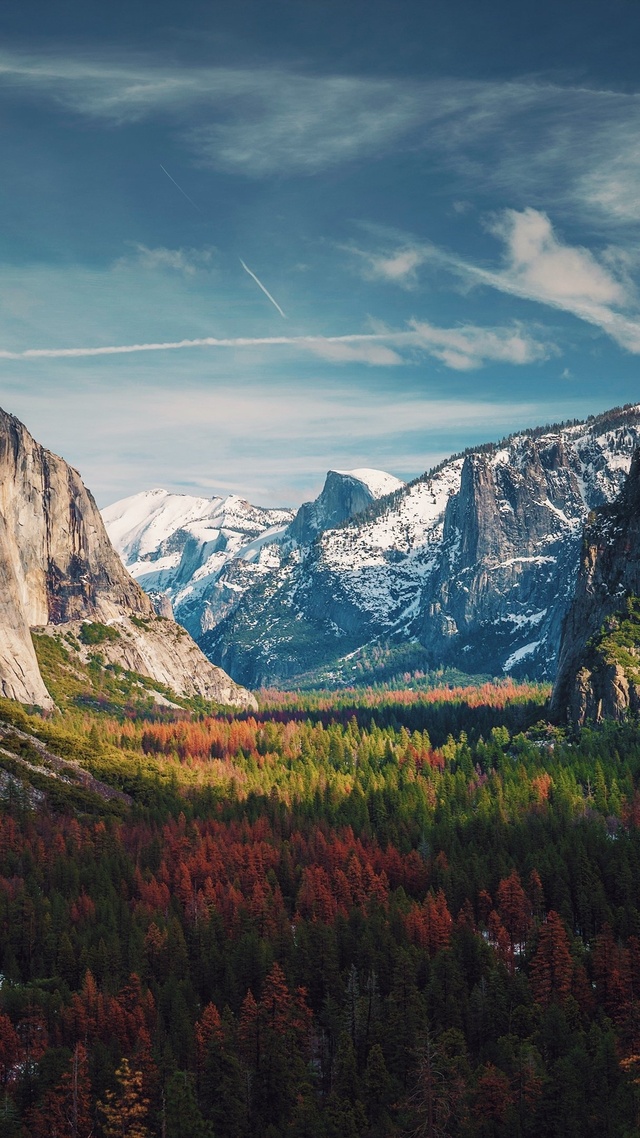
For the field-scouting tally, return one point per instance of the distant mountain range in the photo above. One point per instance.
(202, 554)
(472, 565)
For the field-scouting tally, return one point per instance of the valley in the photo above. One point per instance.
(398, 894)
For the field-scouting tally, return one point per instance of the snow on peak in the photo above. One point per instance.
(138, 525)
(377, 481)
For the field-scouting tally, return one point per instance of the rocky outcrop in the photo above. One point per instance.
(58, 567)
(508, 559)
(599, 662)
(345, 494)
(162, 650)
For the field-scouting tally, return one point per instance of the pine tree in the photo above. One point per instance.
(74, 1105)
(125, 1110)
(552, 966)
(10, 1050)
(429, 1101)
(181, 1114)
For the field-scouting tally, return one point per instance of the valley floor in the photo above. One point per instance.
(359, 915)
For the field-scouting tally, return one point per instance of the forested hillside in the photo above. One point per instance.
(374, 915)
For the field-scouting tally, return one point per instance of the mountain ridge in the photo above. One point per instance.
(410, 565)
(204, 553)
(473, 561)
(599, 661)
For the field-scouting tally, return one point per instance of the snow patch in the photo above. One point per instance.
(520, 654)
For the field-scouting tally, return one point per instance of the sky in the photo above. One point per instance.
(244, 243)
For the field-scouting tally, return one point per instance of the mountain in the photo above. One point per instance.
(61, 575)
(198, 553)
(203, 554)
(475, 561)
(599, 661)
(344, 494)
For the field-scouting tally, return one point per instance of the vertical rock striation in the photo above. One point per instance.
(597, 672)
(57, 566)
(475, 562)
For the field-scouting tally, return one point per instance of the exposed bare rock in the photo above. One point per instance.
(55, 767)
(163, 651)
(345, 494)
(57, 566)
(474, 562)
(598, 676)
(162, 605)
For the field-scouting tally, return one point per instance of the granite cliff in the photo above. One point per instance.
(59, 569)
(599, 662)
(475, 562)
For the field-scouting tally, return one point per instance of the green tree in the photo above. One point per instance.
(181, 1115)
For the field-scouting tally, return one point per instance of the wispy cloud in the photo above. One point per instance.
(397, 264)
(366, 351)
(539, 266)
(188, 262)
(534, 139)
(297, 432)
(459, 348)
(469, 347)
(257, 121)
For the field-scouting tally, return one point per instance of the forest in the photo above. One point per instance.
(365, 914)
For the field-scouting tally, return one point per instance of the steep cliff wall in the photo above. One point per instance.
(57, 566)
(344, 494)
(476, 561)
(597, 672)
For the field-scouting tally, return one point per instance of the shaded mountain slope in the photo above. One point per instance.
(599, 662)
(476, 561)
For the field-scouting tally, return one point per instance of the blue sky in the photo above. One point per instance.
(441, 201)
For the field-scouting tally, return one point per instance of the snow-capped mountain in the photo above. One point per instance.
(201, 553)
(476, 561)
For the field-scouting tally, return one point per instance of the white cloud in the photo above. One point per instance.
(258, 121)
(470, 347)
(540, 265)
(185, 261)
(282, 438)
(459, 348)
(539, 141)
(376, 354)
(398, 265)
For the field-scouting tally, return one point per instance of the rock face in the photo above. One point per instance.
(344, 494)
(57, 567)
(476, 561)
(203, 554)
(199, 554)
(599, 662)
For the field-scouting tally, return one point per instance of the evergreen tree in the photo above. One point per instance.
(125, 1110)
(181, 1115)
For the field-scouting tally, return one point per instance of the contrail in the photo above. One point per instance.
(181, 189)
(212, 342)
(265, 290)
